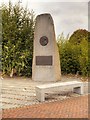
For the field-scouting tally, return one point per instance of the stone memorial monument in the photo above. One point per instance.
(46, 64)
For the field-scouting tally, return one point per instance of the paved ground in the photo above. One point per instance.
(18, 92)
(71, 108)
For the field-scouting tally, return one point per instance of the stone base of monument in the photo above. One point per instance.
(45, 74)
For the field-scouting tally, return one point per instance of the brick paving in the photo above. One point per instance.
(76, 107)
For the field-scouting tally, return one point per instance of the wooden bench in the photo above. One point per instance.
(76, 86)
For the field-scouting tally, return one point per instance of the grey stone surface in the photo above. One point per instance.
(46, 62)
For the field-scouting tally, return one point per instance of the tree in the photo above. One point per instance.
(17, 39)
(78, 36)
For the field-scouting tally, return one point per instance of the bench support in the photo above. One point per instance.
(78, 90)
(40, 95)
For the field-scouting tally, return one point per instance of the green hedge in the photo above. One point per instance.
(17, 39)
(74, 57)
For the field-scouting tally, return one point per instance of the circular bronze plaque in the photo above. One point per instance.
(43, 40)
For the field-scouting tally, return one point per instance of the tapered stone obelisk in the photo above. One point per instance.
(46, 61)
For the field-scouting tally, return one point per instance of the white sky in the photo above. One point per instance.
(68, 15)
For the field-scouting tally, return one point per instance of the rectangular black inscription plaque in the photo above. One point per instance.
(44, 60)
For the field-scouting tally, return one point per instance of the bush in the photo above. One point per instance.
(74, 57)
(17, 39)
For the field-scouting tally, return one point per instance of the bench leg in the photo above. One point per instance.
(78, 90)
(40, 96)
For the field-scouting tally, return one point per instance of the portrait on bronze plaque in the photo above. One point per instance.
(43, 40)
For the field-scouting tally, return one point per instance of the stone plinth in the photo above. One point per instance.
(46, 61)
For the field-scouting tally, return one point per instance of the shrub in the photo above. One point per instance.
(17, 39)
(74, 57)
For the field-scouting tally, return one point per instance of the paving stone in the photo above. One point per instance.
(18, 97)
(14, 101)
(7, 106)
(69, 108)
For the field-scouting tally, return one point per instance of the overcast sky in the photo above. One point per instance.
(68, 15)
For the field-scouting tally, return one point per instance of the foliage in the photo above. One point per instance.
(74, 57)
(78, 36)
(17, 39)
